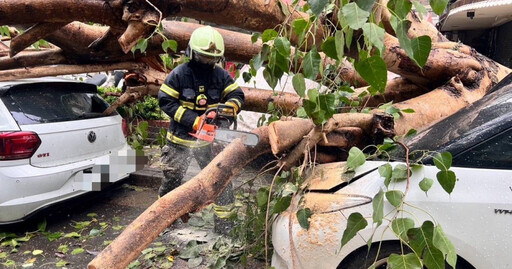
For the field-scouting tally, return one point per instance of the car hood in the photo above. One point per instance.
(323, 188)
(331, 177)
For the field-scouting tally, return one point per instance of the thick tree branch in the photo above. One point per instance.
(33, 34)
(44, 71)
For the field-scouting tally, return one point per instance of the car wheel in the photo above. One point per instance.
(362, 259)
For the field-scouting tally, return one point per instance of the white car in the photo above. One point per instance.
(476, 216)
(55, 144)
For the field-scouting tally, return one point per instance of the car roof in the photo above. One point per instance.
(9, 86)
(35, 80)
(471, 125)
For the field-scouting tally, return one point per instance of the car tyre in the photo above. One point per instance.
(362, 259)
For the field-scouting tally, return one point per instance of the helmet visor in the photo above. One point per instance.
(205, 59)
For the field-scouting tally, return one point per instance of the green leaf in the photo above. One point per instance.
(356, 17)
(433, 258)
(444, 244)
(190, 251)
(349, 34)
(194, 262)
(170, 44)
(365, 4)
(278, 61)
(283, 46)
(262, 197)
(300, 26)
(438, 6)
(443, 161)
(63, 248)
(401, 225)
(329, 47)
(142, 45)
(284, 8)
(254, 37)
(447, 180)
(61, 263)
(426, 184)
(400, 7)
(408, 261)
(311, 64)
(77, 251)
(375, 34)
(256, 62)
(299, 84)
(355, 223)
(269, 34)
(37, 252)
(303, 216)
(269, 77)
(399, 173)
(422, 11)
(395, 197)
(42, 226)
(317, 6)
(421, 49)
(326, 103)
(411, 132)
(72, 234)
(94, 232)
(281, 204)
(339, 40)
(374, 71)
(386, 171)
(378, 207)
(149, 256)
(92, 215)
(417, 240)
(408, 110)
(355, 158)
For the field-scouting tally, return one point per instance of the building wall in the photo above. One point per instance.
(503, 45)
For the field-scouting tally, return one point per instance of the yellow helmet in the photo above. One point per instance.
(207, 41)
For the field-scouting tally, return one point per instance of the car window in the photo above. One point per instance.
(493, 153)
(53, 102)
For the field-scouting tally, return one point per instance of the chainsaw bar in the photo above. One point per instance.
(227, 135)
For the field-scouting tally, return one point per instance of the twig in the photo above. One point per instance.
(266, 215)
(408, 165)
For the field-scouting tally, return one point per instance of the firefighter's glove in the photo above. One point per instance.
(198, 122)
(233, 105)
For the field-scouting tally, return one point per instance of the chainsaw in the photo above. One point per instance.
(216, 124)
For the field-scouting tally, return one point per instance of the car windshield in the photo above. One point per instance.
(53, 102)
(465, 129)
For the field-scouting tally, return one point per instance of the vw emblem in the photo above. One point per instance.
(91, 137)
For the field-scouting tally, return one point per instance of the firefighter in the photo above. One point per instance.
(186, 93)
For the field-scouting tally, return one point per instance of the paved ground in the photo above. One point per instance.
(76, 231)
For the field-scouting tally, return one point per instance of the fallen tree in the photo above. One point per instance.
(315, 45)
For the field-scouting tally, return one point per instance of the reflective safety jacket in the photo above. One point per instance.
(188, 91)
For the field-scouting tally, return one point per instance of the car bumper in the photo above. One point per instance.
(26, 189)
